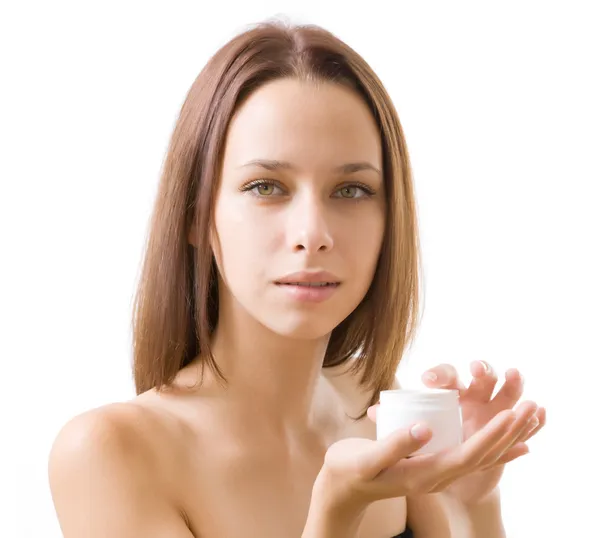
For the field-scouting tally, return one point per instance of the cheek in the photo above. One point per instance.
(362, 242)
(247, 241)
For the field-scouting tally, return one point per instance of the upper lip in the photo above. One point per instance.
(306, 276)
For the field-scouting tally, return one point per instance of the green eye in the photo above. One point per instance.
(356, 191)
(348, 192)
(265, 189)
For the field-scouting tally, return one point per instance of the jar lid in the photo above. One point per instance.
(418, 395)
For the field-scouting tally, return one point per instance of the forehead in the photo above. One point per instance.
(309, 124)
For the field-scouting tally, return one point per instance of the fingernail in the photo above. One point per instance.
(534, 423)
(485, 366)
(515, 373)
(419, 432)
(430, 376)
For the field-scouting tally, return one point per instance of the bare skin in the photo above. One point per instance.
(206, 470)
(188, 463)
(210, 462)
(242, 462)
(241, 480)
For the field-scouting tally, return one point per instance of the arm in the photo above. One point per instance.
(437, 515)
(326, 519)
(483, 519)
(323, 523)
(104, 482)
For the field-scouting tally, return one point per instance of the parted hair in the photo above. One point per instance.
(176, 304)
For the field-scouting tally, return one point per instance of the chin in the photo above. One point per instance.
(301, 327)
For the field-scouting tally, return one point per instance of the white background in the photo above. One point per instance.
(499, 104)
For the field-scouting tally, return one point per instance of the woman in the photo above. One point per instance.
(278, 293)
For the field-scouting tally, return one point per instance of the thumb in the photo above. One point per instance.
(386, 452)
(372, 412)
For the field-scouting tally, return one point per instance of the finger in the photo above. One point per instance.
(532, 425)
(512, 390)
(524, 414)
(541, 416)
(487, 439)
(386, 452)
(483, 383)
(443, 376)
(372, 412)
(515, 452)
(454, 463)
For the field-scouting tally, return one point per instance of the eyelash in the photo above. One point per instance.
(368, 191)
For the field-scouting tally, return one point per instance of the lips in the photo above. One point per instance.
(310, 284)
(309, 279)
(307, 289)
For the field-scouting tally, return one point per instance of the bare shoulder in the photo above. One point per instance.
(113, 418)
(107, 477)
(122, 430)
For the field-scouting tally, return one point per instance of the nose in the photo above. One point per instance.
(308, 227)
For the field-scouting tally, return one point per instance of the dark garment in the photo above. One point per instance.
(406, 534)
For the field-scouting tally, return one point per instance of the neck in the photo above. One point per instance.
(273, 377)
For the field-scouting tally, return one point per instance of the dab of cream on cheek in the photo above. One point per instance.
(436, 408)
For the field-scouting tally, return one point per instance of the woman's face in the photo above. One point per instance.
(301, 198)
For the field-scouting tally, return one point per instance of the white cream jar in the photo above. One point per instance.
(436, 408)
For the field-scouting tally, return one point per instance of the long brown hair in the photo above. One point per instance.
(176, 304)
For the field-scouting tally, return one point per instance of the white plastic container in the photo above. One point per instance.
(437, 408)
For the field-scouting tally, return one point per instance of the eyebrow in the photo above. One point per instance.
(274, 165)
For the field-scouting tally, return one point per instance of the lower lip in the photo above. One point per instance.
(309, 294)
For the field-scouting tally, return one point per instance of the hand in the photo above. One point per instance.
(478, 408)
(359, 471)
